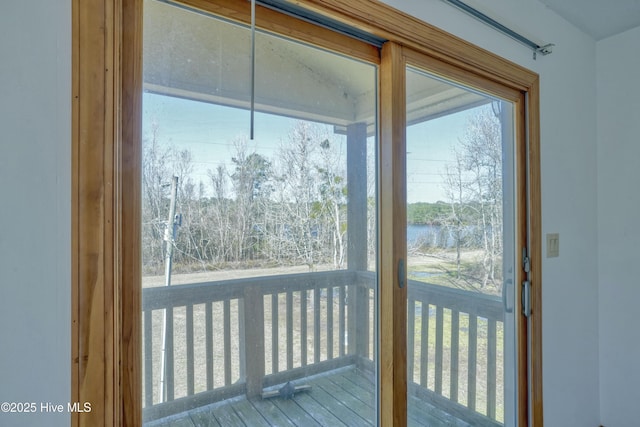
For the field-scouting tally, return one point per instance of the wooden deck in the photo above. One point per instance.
(344, 397)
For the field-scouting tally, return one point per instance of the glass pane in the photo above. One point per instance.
(460, 247)
(259, 256)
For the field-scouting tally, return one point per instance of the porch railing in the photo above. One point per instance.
(234, 337)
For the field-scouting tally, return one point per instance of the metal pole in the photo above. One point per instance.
(169, 238)
(543, 50)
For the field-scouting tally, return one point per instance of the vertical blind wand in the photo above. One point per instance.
(253, 66)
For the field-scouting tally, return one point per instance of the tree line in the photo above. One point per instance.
(253, 209)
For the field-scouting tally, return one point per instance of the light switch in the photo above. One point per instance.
(553, 245)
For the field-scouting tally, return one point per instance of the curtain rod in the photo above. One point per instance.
(543, 50)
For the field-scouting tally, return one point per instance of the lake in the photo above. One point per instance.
(435, 235)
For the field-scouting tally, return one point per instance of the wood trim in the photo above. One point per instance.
(524, 201)
(279, 23)
(106, 91)
(461, 76)
(393, 244)
(93, 316)
(76, 335)
(129, 186)
(535, 233)
(520, 112)
(528, 112)
(389, 23)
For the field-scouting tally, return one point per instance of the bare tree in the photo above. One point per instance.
(219, 226)
(333, 192)
(456, 190)
(251, 184)
(246, 211)
(473, 182)
(297, 192)
(156, 176)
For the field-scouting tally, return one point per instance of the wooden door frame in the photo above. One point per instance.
(106, 135)
(519, 101)
(106, 126)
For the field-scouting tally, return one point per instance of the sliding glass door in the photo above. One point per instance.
(259, 235)
(277, 286)
(461, 257)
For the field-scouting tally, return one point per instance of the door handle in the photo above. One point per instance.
(526, 298)
(401, 273)
(505, 303)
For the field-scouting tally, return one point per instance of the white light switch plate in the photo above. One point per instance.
(553, 245)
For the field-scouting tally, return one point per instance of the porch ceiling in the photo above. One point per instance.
(195, 56)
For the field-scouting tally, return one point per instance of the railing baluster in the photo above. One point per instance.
(342, 322)
(208, 314)
(362, 320)
(411, 333)
(289, 330)
(242, 335)
(303, 327)
(491, 369)
(473, 354)
(227, 341)
(190, 387)
(371, 321)
(169, 374)
(148, 359)
(329, 322)
(275, 319)
(316, 325)
(439, 348)
(455, 347)
(352, 319)
(424, 346)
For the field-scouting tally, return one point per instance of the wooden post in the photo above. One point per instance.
(253, 312)
(357, 242)
(357, 194)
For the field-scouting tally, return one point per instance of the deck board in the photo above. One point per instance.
(203, 419)
(249, 415)
(178, 422)
(358, 392)
(344, 397)
(226, 416)
(295, 412)
(318, 412)
(272, 413)
(350, 400)
(337, 407)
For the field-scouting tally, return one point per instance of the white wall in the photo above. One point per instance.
(35, 207)
(568, 126)
(618, 235)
